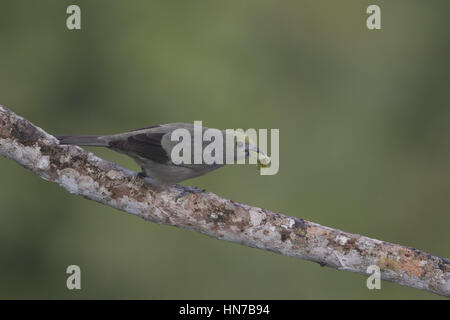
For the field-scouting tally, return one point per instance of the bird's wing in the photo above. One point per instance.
(146, 145)
(153, 143)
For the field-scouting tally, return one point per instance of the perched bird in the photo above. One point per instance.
(151, 147)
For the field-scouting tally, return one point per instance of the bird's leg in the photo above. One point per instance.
(141, 175)
(148, 181)
(187, 190)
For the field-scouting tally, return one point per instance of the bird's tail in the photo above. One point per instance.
(83, 140)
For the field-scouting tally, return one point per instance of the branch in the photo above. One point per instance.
(82, 173)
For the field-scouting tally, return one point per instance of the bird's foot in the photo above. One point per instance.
(188, 190)
(139, 175)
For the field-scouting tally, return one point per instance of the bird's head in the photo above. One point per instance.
(244, 143)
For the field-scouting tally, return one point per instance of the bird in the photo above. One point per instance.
(151, 148)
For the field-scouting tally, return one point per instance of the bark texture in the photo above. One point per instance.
(82, 173)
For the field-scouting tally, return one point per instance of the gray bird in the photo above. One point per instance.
(151, 147)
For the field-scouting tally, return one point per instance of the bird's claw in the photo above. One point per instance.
(141, 175)
(137, 176)
(188, 190)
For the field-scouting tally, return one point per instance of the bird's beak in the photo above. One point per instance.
(262, 158)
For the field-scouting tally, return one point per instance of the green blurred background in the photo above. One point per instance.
(364, 137)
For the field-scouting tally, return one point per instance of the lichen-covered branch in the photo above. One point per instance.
(82, 173)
